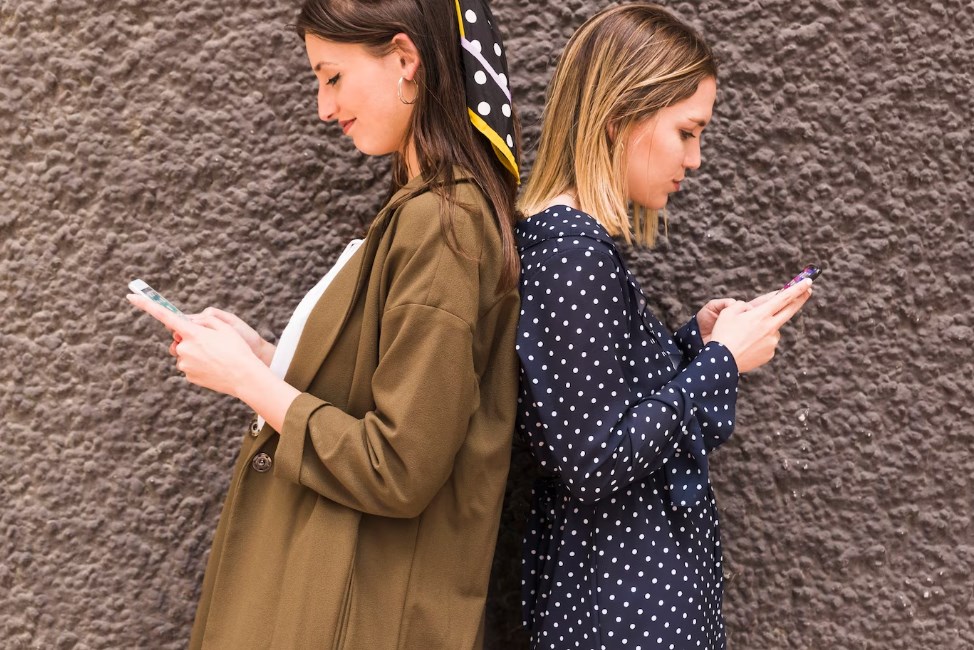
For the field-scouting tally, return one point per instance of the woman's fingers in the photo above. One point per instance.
(720, 304)
(225, 316)
(760, 300)
(213, 322)
(783, 299)
(735, 307)
(173, 322)
(786, 314)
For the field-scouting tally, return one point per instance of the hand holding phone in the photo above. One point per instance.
(143, 289)
(217, 357)
(750, 330)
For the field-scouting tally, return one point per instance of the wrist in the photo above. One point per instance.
(266, 393)
(253, 374)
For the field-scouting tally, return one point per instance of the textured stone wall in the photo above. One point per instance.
(178, 141)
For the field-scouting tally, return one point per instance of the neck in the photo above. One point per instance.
(412, 160)
(568, 197)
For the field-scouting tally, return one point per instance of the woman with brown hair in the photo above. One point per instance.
(364, 505)
(623, 546)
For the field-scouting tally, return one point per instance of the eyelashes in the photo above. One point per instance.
(334, 80)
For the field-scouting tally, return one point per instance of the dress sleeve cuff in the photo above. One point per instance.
(724, 357)
(688, 339)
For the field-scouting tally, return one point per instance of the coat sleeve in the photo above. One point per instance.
(601, 431)
(394, 460)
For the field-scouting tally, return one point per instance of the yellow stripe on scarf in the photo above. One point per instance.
(460, 18)
(504, 152)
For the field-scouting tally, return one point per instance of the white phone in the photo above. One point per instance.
(140, 287)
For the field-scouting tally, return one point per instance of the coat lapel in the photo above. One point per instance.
(324, 325)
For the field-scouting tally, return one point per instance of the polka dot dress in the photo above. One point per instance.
(623, 545)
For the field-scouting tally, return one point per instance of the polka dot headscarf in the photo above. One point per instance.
(485, 76)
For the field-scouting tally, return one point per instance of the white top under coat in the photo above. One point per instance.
(284, 352)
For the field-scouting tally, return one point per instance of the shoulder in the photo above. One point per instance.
(437, 252)
(561, 237)
(460, 211)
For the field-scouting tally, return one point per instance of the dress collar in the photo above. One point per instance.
(557, 222)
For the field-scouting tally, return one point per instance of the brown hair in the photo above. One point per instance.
(621, 67)
(440, 128)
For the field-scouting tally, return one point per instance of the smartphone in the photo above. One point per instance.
(811, 272)
(140, 287)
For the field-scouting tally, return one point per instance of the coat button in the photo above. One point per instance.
(254, 429)
(261, 463)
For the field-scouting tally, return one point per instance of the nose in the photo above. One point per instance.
(692, 158)
(326, 103)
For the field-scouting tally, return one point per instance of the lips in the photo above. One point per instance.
(346, 125)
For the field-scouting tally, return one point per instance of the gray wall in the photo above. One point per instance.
(178, 141)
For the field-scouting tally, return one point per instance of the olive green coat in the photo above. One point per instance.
(375, 525)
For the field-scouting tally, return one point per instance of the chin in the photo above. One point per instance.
(651, 202)
(373, 149)
(660, 203)
(364, 148)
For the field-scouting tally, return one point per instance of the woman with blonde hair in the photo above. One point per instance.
(623, 546)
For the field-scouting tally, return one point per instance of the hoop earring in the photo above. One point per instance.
(399, 91)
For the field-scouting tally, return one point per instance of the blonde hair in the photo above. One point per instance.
(621, 67)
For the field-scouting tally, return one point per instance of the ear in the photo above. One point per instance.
(407, 53)
(612, 130)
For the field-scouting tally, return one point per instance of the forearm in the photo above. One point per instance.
(266, 393)
(714, 392)
(602, 458)
(393, 459)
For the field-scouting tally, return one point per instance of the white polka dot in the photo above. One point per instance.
(477, 47)
(480, 77)
(483, 108)
(506, 110)
(497, 49)
(510, 141)
(470, 16)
